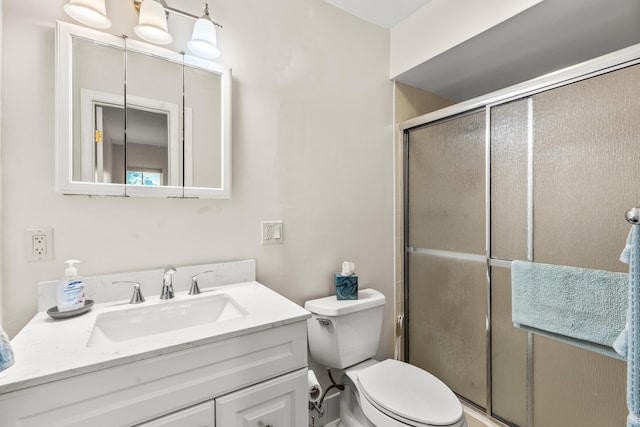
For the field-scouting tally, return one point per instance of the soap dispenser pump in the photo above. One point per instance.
(70, 295)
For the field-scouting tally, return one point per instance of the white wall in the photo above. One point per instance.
(1, 215)
(442, 24)
(312, 145)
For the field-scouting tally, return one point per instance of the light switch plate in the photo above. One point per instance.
(272, 232)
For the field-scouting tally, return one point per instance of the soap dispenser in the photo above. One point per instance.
(71, 293)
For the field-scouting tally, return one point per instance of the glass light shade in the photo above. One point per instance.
(204, 39)
(89, 12)
(152, 25)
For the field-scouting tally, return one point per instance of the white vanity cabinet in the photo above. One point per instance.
(273, 403)
(202, 415)
(253, 379)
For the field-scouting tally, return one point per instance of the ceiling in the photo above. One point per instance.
(385, 13)
(143, 127)
(547, 37)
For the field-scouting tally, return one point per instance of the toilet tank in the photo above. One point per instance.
(342, 333)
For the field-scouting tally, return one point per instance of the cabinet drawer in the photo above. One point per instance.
(280, 402)
(197, 416)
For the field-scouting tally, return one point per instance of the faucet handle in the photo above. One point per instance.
(195, 289)
(137, 297)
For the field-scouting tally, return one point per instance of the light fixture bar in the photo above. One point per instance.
(169, 9)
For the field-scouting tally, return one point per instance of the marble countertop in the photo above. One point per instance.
(48, 350)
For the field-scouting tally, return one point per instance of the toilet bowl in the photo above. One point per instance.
(344, 335)
(396, 394)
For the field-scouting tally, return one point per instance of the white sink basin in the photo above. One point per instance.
(165, 316)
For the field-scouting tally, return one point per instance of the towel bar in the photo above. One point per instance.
(633, 215)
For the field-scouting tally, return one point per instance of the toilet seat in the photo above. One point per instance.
(409, 394)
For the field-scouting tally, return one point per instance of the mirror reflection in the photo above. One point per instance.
(173, 137)
(154, 85)
(98, 72)
(204, 116)
(147, 146)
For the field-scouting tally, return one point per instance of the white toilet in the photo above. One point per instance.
(344, 335)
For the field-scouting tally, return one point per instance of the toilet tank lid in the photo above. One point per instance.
(331, 306)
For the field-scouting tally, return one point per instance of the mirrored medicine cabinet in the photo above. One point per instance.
(135, 119)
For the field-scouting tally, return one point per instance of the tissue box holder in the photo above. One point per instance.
(346, 286)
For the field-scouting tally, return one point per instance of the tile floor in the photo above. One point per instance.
(331, 415)
(477, 419)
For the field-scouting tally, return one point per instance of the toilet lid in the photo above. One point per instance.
(405, 391)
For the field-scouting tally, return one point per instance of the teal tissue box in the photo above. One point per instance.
(346, 286)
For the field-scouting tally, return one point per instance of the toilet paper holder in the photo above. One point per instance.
(317, 404)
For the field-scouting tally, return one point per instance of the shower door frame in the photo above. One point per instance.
(611, 62)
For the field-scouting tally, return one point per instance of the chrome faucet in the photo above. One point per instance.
(167, 283)
(195, 289)
(137, 297)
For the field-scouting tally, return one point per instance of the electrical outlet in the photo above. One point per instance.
(39, 244)
(272, 232)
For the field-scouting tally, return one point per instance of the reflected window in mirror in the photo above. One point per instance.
(142, 176)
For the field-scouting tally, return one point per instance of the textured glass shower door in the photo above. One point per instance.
(447, 256)
(563, 166)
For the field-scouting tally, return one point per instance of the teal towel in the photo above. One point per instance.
(6, 353)
(579, 306)
(628, 343)
(620, 344)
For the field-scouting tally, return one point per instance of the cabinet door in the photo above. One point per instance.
(196, 416)
(280, 402)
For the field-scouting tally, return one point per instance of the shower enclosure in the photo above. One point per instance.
(542, 172)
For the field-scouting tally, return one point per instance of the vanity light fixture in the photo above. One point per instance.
(89, 12)
(204, 40)
(152, 24)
